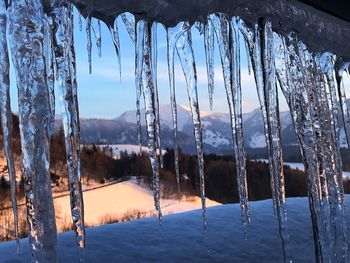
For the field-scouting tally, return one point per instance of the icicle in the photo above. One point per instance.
(26, 30)
(148, 90)
(338, 244)
(76, 193)
(342, 99)
(313, 109)
(115, 37)
(229, 52)
(140, 31)
(99, 39)
(66, 81)
(274, 132)
(186, 55)
(209, 45)
(89, 42)
(156, 99)
(310, 136)
(129, 22)
(6, 115)
(326, 63)
(237, 101)
(252, 38)
(173, 35)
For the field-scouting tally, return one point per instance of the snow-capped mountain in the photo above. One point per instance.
(216, 130)
(216, 126)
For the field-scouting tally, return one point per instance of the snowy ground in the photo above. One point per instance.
(129, 148)
(182, 239)
(117, 199)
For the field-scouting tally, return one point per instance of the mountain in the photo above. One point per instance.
(216, 131)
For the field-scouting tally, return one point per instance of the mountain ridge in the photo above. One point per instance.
(216, 130)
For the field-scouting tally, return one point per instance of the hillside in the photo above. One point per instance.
(121, 199)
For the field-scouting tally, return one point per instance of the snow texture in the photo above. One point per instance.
(181, 238)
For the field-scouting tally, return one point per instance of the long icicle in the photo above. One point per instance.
(139, 34)
(311, 142)
(130, 25)
(186, 55)
(6, 115)
(77, 202)
(238, 126)
(145, 29)
(156, 99)
(335, 176)
(231, 74)
(209, 45)
(173, 35)
(26, 30)
(253, 40)
(274, 132)
(66, 79)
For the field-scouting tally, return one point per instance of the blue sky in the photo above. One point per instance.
(103, 95)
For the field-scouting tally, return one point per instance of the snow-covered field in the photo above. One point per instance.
(181, 238)
(129, 148)
(117, 199)
(295, 166)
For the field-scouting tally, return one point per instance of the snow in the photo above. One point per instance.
(117, 199)
(295, 166)
(202, 113)
(214, 139)
(119, 148)
(181, 238)
(346, 175)
(342, 138)
(258, 140)
(184, 116)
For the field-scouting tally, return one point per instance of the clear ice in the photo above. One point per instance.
(145, 50)
(186, 55)
(6, 114)
(173, 35)
(209, 45)
(67, 84)
(227, 34)
(27, 26)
